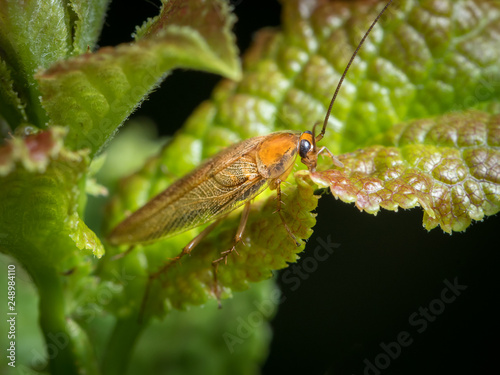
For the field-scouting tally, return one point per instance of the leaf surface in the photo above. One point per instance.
(448, 165)
(94, 93)
(39, 186)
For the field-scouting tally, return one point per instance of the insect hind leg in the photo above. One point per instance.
(237, 238)
(164, 268)
(278, 210)
(124, 254)
(186, 250)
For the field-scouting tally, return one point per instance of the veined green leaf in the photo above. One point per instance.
(94, 93)
(87, 23)
(40, 185)
(33, 35)
(448, 165)
(39, 181)
(12, 109)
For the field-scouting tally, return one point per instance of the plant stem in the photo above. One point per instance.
(120, 345)
(60, 348)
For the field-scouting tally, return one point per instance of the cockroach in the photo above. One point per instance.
(229, 180)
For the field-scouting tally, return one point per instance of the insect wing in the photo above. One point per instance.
(216, 188)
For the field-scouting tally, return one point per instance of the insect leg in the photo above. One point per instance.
(125, 253)
(225, 254)
(336, 161)
(186, 250)
(238, 236)
(278, 197)
(195, 241)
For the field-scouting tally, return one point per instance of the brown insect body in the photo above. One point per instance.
(220, 185)
(227, 181)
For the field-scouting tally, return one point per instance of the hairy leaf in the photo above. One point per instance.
(94, 93)
(448, 165)
(40, 185)
(87, 23)
(33, 34)
(12, 109)
(39, 181)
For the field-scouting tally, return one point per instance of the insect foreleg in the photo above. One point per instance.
(336, 161)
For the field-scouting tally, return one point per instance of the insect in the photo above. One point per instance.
(229, 180)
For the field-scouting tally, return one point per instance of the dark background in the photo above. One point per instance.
(386, 268)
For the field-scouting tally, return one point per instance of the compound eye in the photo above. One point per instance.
(304, 148)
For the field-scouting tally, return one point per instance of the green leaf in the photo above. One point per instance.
(94, 93)
(448, 165)
(231, 340)
(136, 142)
(33, 35)
(40, 185)
(290, 76)
(428, 61)
(12, 109)
(87, 24)
(206, 28)
(21, 21)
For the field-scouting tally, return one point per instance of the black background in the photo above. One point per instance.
(385, 269)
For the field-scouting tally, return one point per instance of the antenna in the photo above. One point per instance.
(339, 85)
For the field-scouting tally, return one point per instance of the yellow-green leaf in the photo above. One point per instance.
(94, 93)
(448, 165)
